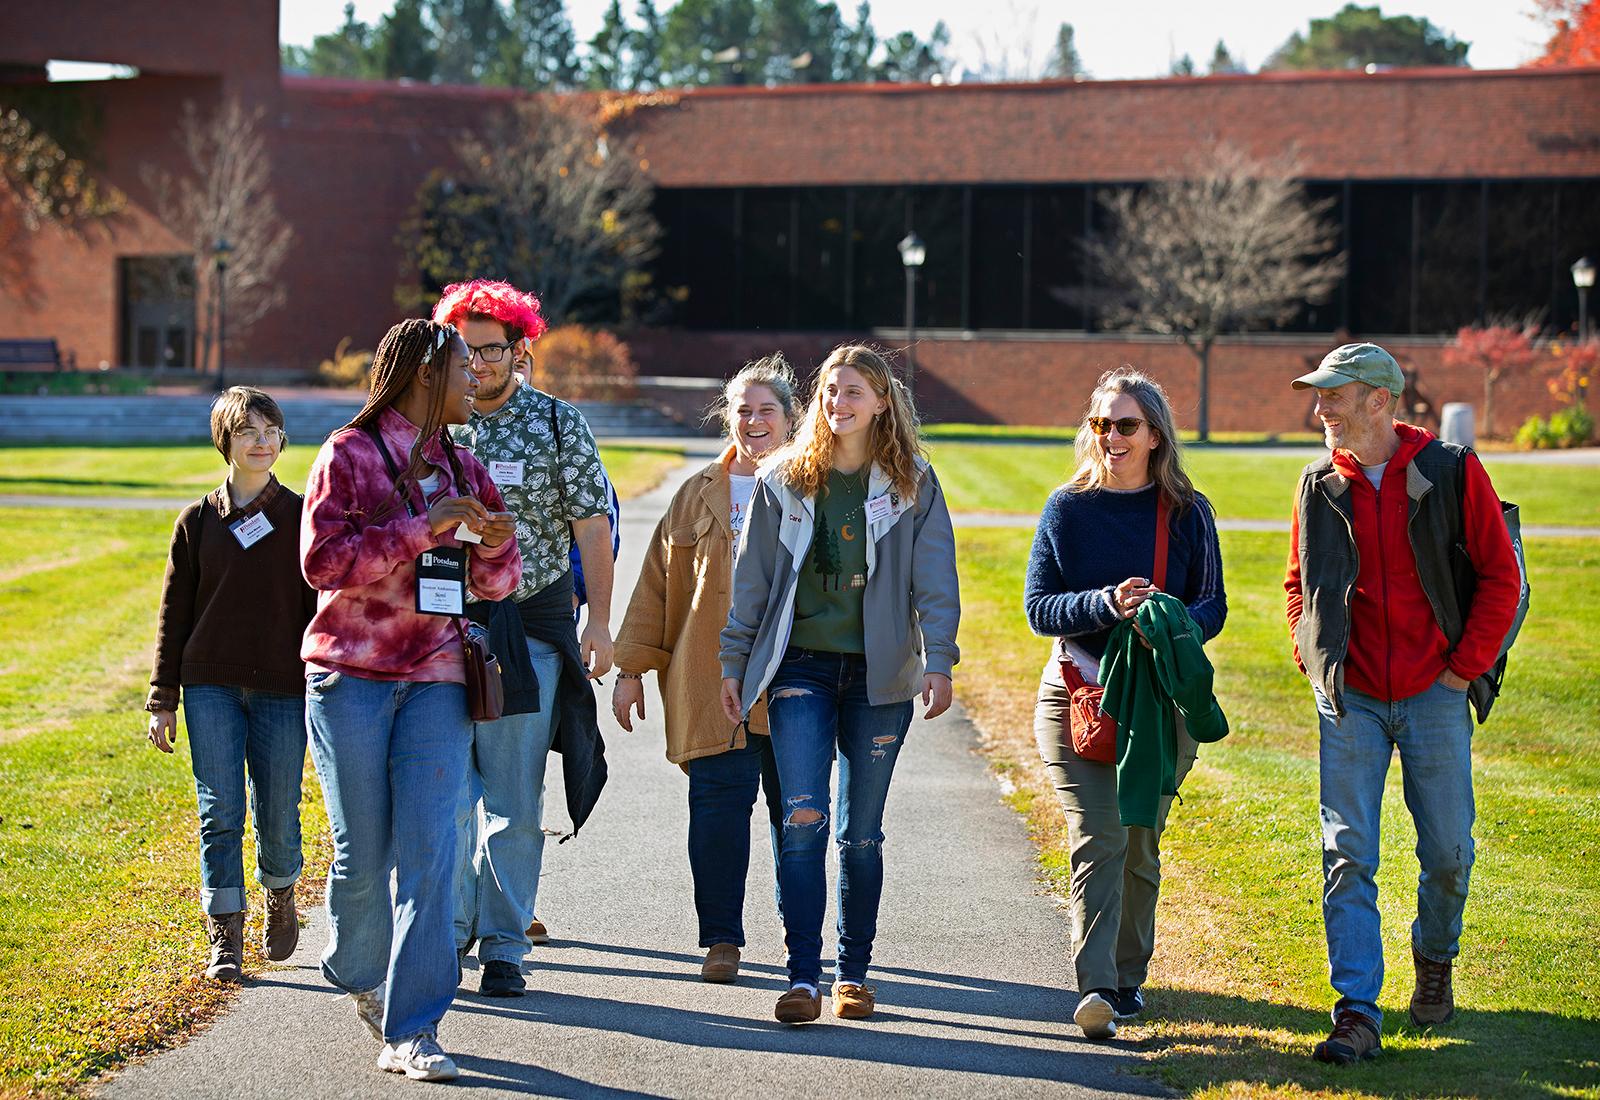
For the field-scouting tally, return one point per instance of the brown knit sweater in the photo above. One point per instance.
(231, 615)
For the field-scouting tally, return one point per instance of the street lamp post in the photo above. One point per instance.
(220, 252)
(912, 253)
(1583, 279)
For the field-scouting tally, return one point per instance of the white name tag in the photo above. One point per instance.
(879, 508)
(253, 530)
(506, 473)
(465, 534)
(439, 597)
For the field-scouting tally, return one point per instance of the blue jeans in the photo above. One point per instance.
(817, 706)
(500, 848)
(722, 790)
(245, 743)
(1433, 732)
(392, 757)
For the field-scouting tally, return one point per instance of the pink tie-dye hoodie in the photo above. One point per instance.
(358, 549)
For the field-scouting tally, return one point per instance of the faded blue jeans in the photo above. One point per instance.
(1433, 733)
(500, 822)
(392, 757)
(722, 790)
(817, 708)
(245, 744)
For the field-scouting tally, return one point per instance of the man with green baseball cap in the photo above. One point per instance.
(1393, 648)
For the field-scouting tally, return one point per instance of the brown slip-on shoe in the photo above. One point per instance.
(1354, 1038)
(798, 1007)
(282, 933)
(721, 965)
(1433, 1002)
(537, 932)
(852, 1001)
(225, 934)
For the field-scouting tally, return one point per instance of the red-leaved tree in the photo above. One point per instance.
(1575, 364)
(1499, 349)
(1574, 32)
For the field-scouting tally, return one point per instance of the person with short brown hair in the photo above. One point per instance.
(233, 608)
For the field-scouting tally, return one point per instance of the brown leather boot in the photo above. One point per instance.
(282, 933)
(225, 933)
(1433, 1002)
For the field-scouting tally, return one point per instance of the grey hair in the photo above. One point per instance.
(772, 371)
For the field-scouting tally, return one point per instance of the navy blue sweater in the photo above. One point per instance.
(1088, 543)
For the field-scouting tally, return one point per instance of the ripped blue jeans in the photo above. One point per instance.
(817, 707)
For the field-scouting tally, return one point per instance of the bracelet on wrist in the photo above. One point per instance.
(630, 676)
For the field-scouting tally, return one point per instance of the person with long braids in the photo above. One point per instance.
(387, 501)
(845, 608)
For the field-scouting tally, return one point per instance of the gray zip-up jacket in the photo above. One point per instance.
(912, 602)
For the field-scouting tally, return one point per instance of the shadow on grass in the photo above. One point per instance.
(1196, 1041)
(81, 482)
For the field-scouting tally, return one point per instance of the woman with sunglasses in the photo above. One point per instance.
(389, 503)
(1092, 565)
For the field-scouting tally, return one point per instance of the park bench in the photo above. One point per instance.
(29, 355)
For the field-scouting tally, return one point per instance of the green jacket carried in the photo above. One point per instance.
(1142, 686)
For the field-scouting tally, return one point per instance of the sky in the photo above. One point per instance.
(1115, 41)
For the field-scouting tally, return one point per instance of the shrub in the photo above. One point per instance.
(1568, 427)
(1535, 434)
(578, 363)
(347, 369)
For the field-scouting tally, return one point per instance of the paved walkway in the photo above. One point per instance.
(971, 972)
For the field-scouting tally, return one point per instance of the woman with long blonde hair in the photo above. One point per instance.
(1095, 530)
(844, 579)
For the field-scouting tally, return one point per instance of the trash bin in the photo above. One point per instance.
(1455, 423)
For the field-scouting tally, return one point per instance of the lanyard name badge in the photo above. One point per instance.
(880, 507)
(442, 581)
(251, 531)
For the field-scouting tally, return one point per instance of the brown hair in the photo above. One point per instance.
(231, 412)
(894, 447)
(1166, 462)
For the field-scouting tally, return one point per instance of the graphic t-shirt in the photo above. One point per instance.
(833, 578)
(741, 487)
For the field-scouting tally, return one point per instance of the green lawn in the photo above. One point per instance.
(1017, 478)
(189, 471)
(1239, 989)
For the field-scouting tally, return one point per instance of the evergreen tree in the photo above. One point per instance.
(644, 48)
(1184, 66)
(1355, 37)
(1064, 63)
(1222, 62)
(825, 547)
(799, 41)
(345, 53)
(402, 45)
(539, 51)
(909, 60)
(854, 63)
(711, 42)
(469, 37)
(607, 63)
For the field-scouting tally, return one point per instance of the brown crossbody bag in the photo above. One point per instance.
(1093, 732)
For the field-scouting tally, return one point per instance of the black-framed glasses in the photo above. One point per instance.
(1125, 425)
(489, 353)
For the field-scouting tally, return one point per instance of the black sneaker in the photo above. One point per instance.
(502, 979)
(1127, 1002)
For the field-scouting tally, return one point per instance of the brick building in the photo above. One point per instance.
(1459, 194)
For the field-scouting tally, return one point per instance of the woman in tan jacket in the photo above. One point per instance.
(677, 612)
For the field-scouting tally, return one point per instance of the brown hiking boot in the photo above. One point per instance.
(283, 925)
(1432, 1002)
(721, 965)
(1353, 1038)
(798, 1007)
(225, 933)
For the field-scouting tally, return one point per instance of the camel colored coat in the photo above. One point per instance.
(677, 613)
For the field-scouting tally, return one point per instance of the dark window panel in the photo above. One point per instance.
(880, 223)
(768, 235)
(998, 286)
(1449, 245)
(936, 214)
(1328, 315)
(701, 257)
(1577, 235)
(1380, 258)
(1521, 225)
(1056, 258)
(820, 290)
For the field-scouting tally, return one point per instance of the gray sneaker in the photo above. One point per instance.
(369, 1007)
(421, 1059)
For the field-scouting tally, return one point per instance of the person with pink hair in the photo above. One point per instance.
(544, 460)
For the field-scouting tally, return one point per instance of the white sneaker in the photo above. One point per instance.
(369, 1007)
(1096, 1016)
(421, 1059)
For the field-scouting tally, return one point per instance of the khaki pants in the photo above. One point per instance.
(1116, 871)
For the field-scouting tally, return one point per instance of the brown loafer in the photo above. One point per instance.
(721, 965)
(282, 933)
(537, 932)
(1433, 1002)
(853, 1002)
(798, 1007)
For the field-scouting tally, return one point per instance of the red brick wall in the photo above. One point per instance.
(992, 380)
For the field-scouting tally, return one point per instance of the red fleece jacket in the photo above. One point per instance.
(359, 547)
(1396, 647)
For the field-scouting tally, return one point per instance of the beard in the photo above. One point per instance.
(495, 387)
